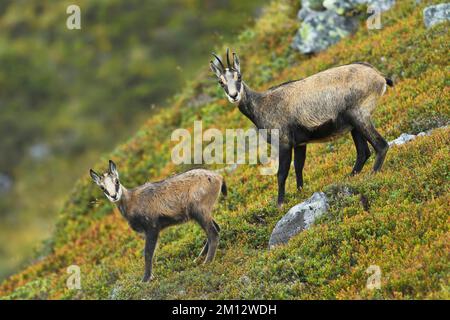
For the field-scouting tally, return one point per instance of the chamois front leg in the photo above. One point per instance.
(284, 163)
(151, 238)
(299, 162)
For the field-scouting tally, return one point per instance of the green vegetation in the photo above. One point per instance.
(69, 95)
(404, 231)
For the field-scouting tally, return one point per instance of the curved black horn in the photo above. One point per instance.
(218, 59)
(228, 58)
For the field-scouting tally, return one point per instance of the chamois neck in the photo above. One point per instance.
(122, 203)
(249, 105)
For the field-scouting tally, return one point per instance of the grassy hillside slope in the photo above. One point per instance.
(405, 231)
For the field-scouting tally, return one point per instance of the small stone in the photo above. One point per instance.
(245, 280)
(404, 137)
(115, 293)
(5, 183)
(39, 151)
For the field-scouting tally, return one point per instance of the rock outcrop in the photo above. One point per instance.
(300, 217)
(326, 22)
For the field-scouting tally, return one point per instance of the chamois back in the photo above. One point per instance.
(321, 97)
(177, 194)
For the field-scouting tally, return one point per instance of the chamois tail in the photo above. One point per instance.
(389, 82)
(224, 189)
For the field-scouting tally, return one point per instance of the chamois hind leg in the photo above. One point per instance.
(206, 246)
(299, 162)
(213, 241)
(284, 164)
(203, 252)
(209, 225)
(362, 151)
(365, 126)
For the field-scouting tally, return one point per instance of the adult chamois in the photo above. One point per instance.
(315, 109)
(153, 206)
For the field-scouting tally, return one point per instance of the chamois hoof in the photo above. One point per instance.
(147, 278)
(197, 260)
(209, 260)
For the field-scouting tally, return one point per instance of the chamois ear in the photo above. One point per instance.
(215, 69)
(113, 168)
(94, 176)
(236, 64)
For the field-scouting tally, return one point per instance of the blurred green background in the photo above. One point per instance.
(66, 96)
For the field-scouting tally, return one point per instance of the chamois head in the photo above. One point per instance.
(109, 182)
(229, 77)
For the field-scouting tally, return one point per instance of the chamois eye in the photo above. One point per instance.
(102, 187)
(117, 182)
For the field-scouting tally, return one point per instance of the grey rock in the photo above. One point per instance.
(343, 6)
(422, 134)
(433, 15)
(245, 280)
(402, 139)
(300, 217)
(383, 5)
(39, 151)
(319, 30)
(405, 137)
(324, 22)
(115, 292)
(316, 5)
(5, 183)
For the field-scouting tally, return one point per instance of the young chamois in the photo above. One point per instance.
(315, 109)
(154, 206)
